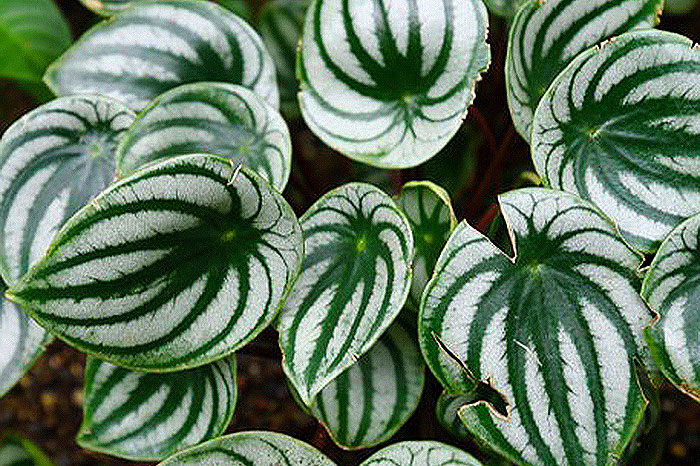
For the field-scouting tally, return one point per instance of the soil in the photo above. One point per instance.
(45, 405)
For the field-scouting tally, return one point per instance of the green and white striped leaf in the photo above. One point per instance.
(546, 36)
(171, 268)
(429, 211)
(421, 453)
(252, 449)
(446, 410)
(281, 23)
(504, 8)
(18, 451)
(32, 34)
(147, 417)
(554, 331)
(53, 161)
(213, 118)
(621, 127)
(388, 82)
(155, 46)
(368, 403)
(355, 279)
(672, 288)
(112, 7)
(21, 344)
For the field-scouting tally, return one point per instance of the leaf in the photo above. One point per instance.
(18, 451)
(32, 34)
(252, 449)
(156, 46)
(280, 25)
(354, 281)
(21, 344)
(429, 211)
(446, 410)
(111, 7)
(390, 86)
(547, 36)
(212, 118)
(554, 331)
(173, 267)
(616, 127)
(679, 7)
(53, 161)
(368, 403)
(504, 8)
(147, 417)
(420, 453)
(672, 288)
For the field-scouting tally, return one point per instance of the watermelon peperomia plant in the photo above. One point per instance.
(150, 217)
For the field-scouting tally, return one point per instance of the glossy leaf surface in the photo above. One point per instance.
(146, 416)
(554, 331)
(672, 288)
(176, 266)
(368, 403)
(252, 449)
(354, 281)
(619, 128)
(212, 118)
(546, 36)
(155, 46)
(388, 83)
(421, 453)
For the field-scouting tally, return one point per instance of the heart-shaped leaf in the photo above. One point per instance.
(281, 23)
(111, 7)
(21, 344)
(554, 331)
(354, 281)
(429, 211)
(368, 403)
(53, 161)
(147, 417)
(32, 34)
(213, 118)
(617, 127)
(388, 83)
(176, 266)
(420, 453)
(155, 46)
(252, 449)
(672, 288)
(546, 36)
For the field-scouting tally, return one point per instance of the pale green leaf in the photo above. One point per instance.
(420, 453)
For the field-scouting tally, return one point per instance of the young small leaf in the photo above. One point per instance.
(173, 267)
(446, 410)
(155, 46)
(32, 34)
(388, 83)
(618, 128)
(554, 331)
(281, 23)
(53, 161)
(212, 118)
(368, 403)
(21, 344)
(354, 281)
(504, 8)
(546, 36)
(429, 211)
(252, 449)
(420, 453)
(672, 288)
(147, 417)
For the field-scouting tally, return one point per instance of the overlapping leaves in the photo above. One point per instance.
(554, 332)
(388, 83)
(619, 128)
(178, 265)
(157, 45)
(354, 281)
